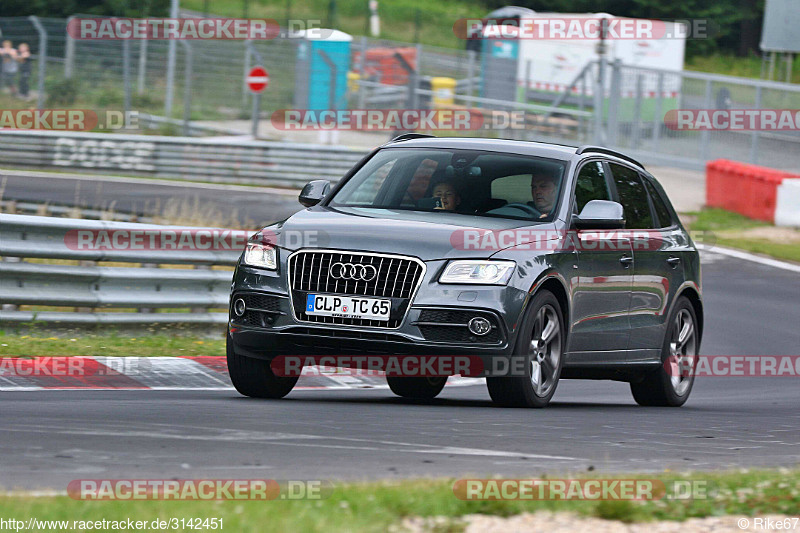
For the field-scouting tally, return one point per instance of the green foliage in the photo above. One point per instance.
(62, 92)
(65, 8)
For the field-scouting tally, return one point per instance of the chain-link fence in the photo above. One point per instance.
(642, 106)
(367, 73)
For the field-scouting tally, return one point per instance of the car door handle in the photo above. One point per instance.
(626, 260)
(674, 261)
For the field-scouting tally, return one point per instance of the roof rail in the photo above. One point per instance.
(409, 136)
(601, 150)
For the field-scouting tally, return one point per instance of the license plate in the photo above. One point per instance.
(348, 307)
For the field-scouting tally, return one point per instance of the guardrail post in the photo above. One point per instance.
(146, 309)
(42, 57)
(658, 118)
(754, 136)
(10, 307)
(200, 309)
(142, 66)
(173, 14)
(582, 107)
(471, 71)
(126, 75)
(187, 88)
(705, 134)
(69, 52)
(613, 103)
(245, 90)
(362, 63)
(85, 263)
(599, 97)
(637, 113)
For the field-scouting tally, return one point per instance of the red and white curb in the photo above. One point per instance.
(159, 373)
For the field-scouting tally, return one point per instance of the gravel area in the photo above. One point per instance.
(547, 522)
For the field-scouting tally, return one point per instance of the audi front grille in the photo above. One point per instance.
(354, 274)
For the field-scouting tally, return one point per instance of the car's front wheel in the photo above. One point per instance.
(254, 377)
(423, 388)
(541, 345)
(671, 384)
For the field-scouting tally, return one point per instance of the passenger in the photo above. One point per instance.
(449, 196)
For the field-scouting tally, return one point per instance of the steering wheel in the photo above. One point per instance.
(531, 211)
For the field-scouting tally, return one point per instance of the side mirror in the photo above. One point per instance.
(600, 214)
(314, 192)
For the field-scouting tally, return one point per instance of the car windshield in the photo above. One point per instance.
(460, 181)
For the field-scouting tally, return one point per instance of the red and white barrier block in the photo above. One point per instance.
(161, 373)
(787, 206)
(756, 192)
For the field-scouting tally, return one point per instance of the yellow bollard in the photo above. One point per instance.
(352, 81)
(444, 91)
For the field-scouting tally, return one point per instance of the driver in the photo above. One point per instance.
(544, 187)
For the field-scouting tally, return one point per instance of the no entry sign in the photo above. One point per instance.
(257, 79)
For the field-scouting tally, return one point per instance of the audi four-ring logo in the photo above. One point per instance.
(352, 271)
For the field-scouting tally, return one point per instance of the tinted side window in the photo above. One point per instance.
(633, 197)
(591, 185)
(659, 205)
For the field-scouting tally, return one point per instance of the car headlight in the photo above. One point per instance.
(258, 255)
(478, 272)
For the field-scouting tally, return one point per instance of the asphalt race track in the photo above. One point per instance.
(52, 437)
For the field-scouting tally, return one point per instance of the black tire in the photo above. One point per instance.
(424, 388)
(663, 388)
(254, 377)
(519, 391)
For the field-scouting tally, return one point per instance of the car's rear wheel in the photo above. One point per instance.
(541, 343)
(254, 377)
(423, 388)
(671, 384)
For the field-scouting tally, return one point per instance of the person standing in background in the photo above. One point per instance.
(10, 66)
(24, 60)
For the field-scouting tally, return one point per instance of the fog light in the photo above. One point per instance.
(479, 326)
(239, 307)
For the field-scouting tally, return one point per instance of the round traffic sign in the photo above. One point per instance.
(257, 79)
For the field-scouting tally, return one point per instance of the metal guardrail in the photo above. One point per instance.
(14, 207)
(87, 285)
(215, 160)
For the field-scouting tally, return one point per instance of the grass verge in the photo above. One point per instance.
(733, 230)
(378, 505)
(147, 345)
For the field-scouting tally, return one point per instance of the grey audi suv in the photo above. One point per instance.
(539, 261)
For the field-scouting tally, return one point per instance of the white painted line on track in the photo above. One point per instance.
(746, 256)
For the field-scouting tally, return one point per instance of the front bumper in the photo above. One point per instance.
(430, 327)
